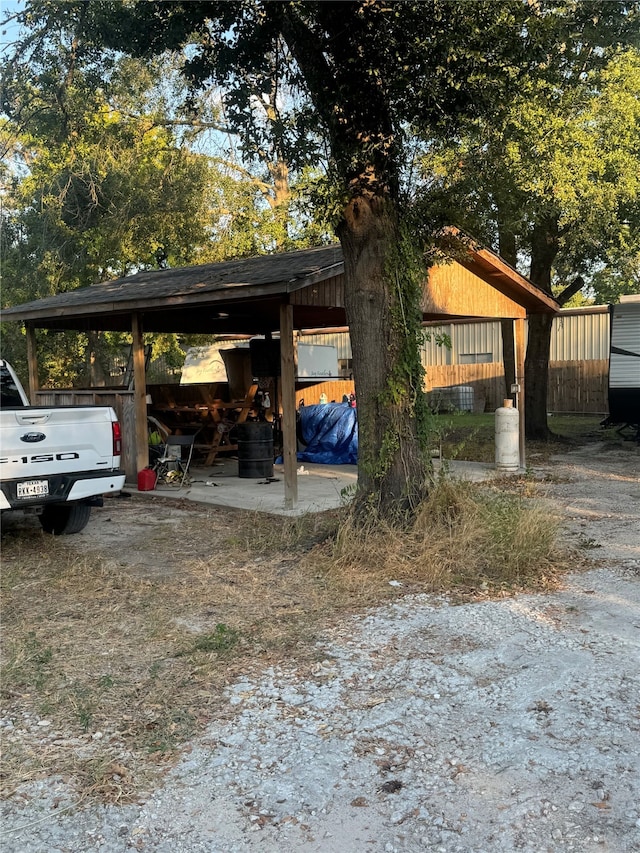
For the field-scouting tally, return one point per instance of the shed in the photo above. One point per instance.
(278, 293)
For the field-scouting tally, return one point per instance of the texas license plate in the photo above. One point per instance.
(32, 488)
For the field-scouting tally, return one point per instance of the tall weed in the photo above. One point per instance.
(462, 534)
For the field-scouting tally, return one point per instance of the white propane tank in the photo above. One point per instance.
(507, 437)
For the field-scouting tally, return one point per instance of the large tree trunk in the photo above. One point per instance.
(393, 466)
(381, 300)
(544, 248)
(536, 376)
(508, 251)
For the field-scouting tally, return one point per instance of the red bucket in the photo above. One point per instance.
(146, 480)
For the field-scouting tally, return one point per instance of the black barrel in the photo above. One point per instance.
(255, 450)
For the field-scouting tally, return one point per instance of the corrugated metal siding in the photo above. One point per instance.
(577, 337)
(476, 339)
(574, 337)
(432, 352)
(339, 340)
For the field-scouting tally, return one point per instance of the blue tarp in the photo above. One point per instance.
(330, 432)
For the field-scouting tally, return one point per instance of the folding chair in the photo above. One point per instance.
(172, 457)
(158, 433)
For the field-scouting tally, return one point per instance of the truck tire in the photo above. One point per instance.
(65, 519)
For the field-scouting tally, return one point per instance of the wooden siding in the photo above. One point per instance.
(456, 291)
(120, 401)
(576, 387)
(487, 381)
(310, 394)
(329, 293)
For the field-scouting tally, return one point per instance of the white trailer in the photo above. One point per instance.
(624, 363)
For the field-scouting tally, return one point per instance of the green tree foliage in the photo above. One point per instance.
(95, 186)
(554, 186)
(102, 188)
(363, 73)
(365, 77)
(102, 176)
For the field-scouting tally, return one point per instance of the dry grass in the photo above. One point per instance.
(126, 668)
(463, 539)
(126, 661)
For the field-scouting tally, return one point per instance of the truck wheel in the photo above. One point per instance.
(64, 519)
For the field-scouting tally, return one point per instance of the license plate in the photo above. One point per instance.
(32, 488)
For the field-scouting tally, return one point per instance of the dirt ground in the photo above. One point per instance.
(597, 489)
(499, 725)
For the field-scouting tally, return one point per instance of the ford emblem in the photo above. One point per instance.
(33, 437)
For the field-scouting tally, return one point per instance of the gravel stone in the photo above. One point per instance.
(486, 727)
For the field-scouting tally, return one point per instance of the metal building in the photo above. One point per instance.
(578, 334)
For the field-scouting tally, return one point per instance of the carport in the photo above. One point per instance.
(271, 295)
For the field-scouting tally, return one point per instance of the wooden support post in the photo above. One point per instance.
(139, 393)
(288, 386)
(518, 333)
(32, 363)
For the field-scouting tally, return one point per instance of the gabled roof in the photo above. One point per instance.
(242, 295)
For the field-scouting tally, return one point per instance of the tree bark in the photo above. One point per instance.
(508, 251)
(536, 377)
(392, 466)
(96, 368)
(545, 244)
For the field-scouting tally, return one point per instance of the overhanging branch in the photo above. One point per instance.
(576, 285)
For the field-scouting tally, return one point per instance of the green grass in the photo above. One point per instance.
(222, 640)
(471, 437)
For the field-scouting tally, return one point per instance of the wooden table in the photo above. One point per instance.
(213, 421)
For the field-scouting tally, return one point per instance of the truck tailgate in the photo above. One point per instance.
(39, 441)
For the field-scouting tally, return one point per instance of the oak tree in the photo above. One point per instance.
(553, 182)
(366, 75)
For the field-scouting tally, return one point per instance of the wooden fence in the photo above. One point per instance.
(578, 387)
(122, 403)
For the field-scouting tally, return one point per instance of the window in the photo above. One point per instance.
(345, 368)
(476, 357)
(9, 394)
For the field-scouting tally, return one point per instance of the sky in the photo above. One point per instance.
(9, 32)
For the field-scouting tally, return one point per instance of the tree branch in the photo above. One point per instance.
(570, 290)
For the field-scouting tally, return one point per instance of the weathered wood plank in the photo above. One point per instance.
(288, 391)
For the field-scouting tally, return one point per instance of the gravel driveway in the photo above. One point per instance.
(495, 726)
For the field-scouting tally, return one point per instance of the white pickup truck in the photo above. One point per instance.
(56, 461)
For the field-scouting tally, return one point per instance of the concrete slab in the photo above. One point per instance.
(320, 487)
